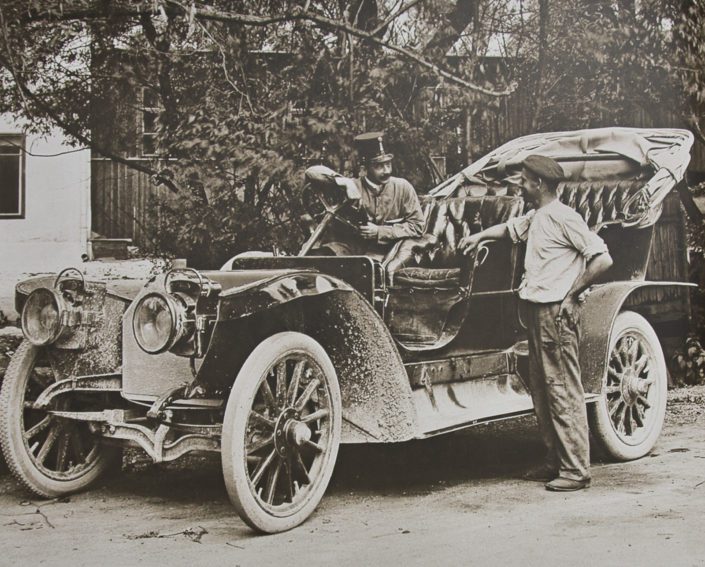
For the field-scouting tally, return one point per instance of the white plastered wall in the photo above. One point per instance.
(54, 231)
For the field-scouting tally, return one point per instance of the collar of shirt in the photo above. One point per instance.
(376, 188)
(548, 206)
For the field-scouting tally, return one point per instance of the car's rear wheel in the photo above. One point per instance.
(49, 455)
(628, 417)
(281, 432)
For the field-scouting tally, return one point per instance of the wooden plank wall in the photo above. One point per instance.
(123, 201)
(667, 262)
(125, 204)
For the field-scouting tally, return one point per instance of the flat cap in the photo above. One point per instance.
(544, 167)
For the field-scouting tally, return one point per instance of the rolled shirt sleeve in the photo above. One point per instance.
(325, 175)
(585, 241)
(321, 174)
(518, 227)
(559, 243)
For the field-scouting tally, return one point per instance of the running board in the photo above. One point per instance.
(446, 406)
(450, 406)
(475, 422)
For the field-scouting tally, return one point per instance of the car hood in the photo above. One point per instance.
(230, 280)
(129, 289)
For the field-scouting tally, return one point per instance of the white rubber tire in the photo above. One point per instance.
(241, 400)
(16, 451)
(618, 445)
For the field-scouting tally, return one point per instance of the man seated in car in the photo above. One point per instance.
(387, 207)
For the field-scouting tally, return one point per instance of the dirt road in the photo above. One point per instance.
(454, 500)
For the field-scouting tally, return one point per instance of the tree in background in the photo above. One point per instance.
(249, 93)
(590, 63)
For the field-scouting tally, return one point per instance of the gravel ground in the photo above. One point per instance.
(452, 500)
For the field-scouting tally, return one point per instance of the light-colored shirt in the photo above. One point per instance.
(558, 245)
(393, 206)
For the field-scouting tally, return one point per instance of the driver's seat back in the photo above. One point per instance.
(430, 279)
(434, 257)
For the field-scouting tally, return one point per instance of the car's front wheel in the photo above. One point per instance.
(281, 432)
(48, 454)
(628, 417)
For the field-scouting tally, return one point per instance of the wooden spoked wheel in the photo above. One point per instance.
(628, 418)
(281, 432)
(48, 454)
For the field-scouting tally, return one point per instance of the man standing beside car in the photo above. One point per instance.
(563, 258)
(390, 204)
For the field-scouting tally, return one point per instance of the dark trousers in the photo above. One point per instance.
(557, 391)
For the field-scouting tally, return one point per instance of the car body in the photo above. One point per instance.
(273, 361)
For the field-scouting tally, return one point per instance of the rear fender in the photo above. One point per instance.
(597, 316)
(376, 395)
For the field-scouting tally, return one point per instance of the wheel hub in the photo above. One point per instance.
(633, 386)
(290, 433)
(630, 387)
(298, 433)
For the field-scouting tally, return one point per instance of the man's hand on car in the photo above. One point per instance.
(369, 231)
(469, 243)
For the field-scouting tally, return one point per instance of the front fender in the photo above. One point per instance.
(597, 315)
(377, 400)
(239, 302)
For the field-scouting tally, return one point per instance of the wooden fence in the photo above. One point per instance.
(667, 262)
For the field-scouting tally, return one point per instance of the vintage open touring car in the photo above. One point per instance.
(273, 361)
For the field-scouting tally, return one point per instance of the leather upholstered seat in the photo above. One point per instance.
(424, 277)
(430, 278)
(598, 202)
(433, 260)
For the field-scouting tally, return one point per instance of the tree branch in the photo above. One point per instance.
(544, 16)
(694, 125)
(691, 208)
(101, 10)
(162, 46)
(394, 16)
(224, 65)
(75, 132)
(451, 25)
(329, 23)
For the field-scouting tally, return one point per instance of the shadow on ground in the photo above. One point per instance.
(498, 450)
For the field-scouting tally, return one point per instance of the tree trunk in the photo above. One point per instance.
(451, 26)
(544, 20)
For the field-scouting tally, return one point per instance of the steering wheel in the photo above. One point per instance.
(333, 200)
(336, 206)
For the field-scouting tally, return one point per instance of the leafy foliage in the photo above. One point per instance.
(688, 364)
(252, 92)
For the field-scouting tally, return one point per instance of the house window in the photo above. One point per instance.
(11, 177)
(150, 115)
